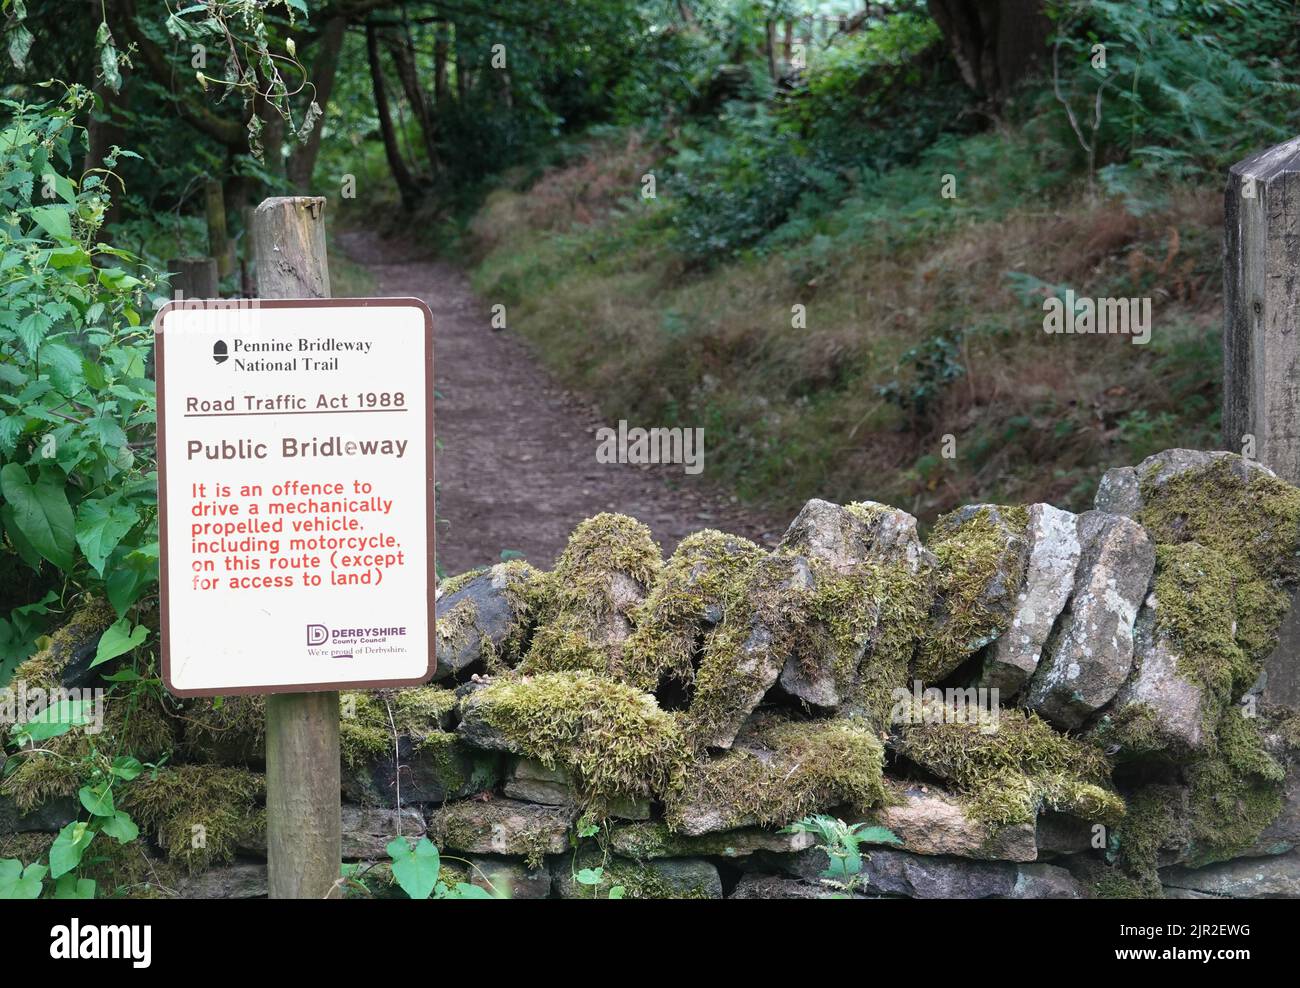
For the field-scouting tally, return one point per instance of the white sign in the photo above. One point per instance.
(295, 458)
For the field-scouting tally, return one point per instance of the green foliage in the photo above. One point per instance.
(1188, 86)
(77, 468)
(842, 843)
(416, 869)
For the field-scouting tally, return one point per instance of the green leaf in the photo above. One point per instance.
(617, 892)
(101, 525)
(878, 835)
(26, 551)
(55, 720)
(19, 883)
(69, 847)
(98, 802)
(121, 827)
(41, 512)
(119, 639)
(416, 869)
(32, 329)
(54, 220)
(590, 876)
(126, 767)
(64, 366)
(72, 887)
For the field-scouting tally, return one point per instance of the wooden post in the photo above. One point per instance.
(214, 207)
(1261, 348)
(303, 828)
(194, 277)
(1261, 309)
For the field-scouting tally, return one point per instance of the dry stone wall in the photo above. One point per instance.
(1027, 703)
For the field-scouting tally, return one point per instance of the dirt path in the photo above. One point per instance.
(517, 459)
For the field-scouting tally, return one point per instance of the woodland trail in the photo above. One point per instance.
(516, 463)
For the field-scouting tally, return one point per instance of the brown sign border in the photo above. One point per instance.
(159, 326)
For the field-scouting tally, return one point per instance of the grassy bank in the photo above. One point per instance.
(922, 320)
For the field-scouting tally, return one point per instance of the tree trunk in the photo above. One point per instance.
(404, 61)
(406, 187)
(302, 163)
(995, 43)
(441, 49)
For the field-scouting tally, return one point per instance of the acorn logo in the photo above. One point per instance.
(219, 351)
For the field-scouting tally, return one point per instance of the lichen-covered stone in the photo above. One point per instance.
(507, 879)
(929, 821)
(485, 618)
(1159, 709)
(982, 551)
(868, 599)
(502, 826)
(743, 657)
(1007, 769)
(1049, 579)
(423, 762)
(915, 876)
(586, 606)
(241, 880)
(670, 878)
(779, 887)
(613, 740)
(1091, 653)
(654, 839)
(1246, 878)
(368, 830)
(778, 771)
(702, 583)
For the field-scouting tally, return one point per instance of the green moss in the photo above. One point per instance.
(473, 826)
(454, 584)
(981, 564)
(1252, 523)
(1007, 770)
(611, 738)
(869, 620)
(44, 670)
(368, 733)
(1235, 792)
(128, 871)
(703, 582)
(139, 723)
(27, 847)
(201, 814)
(737, 655)
(228, 730)
(1155, 822)
(782, 769)
(639, 880)
(584, 605)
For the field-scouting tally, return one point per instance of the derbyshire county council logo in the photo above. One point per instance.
(317, 634)
(219, 351)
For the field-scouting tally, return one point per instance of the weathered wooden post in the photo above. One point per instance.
(1261, 309)
(303, 828)
(194, 277)
(1261, 347)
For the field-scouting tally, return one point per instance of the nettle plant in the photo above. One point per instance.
(78, 477)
